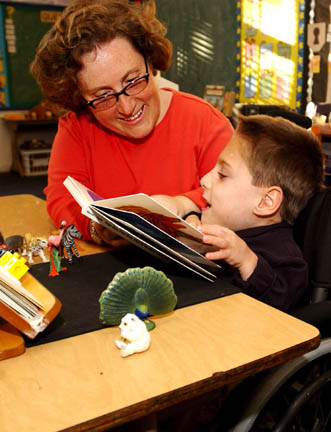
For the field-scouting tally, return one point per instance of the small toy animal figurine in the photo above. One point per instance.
(68, 242)
(60, 242)
(34, 246)
(142, 291)
(134, 336)
(14, 243)
(54, 242)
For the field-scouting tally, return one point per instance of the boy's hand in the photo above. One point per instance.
(233, 249)
(179, 204)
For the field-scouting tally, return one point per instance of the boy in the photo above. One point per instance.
(263, 178)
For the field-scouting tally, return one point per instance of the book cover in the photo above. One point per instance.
(146, 223)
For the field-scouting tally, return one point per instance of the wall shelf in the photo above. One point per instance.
(27, 130)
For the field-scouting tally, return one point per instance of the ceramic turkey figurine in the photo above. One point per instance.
(138, 291)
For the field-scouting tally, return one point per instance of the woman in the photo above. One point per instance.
(123, 135)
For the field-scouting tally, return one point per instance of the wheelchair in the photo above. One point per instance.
(295, 396)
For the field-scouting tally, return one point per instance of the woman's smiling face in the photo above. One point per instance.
(111, 67)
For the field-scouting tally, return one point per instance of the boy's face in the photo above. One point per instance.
(229, 192)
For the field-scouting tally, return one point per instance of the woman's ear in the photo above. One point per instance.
(271, 200)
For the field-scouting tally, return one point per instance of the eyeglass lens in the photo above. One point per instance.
(130, 90)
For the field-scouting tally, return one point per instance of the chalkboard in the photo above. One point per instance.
(22, 26)
(203, 33)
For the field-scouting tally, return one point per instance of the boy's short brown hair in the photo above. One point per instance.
(285, 155)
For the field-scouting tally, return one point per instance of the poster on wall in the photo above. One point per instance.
(271, 48)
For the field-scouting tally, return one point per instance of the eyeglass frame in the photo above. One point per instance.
(118, 94)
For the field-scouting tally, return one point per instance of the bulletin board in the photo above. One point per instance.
(270, 55)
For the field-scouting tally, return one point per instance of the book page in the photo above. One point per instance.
(148, 222)
(16, 285)
(17, 302)
(144, 241)
(144, 206)
(83, 195)
(181, 242)
(156, 214)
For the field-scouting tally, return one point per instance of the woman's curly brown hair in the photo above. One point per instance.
(83, 26)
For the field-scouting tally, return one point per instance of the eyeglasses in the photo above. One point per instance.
(108, 100)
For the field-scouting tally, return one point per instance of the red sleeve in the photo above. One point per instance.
(68, 156)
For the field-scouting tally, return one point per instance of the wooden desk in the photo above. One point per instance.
(82, 383)
(26, 213)
(21, 214)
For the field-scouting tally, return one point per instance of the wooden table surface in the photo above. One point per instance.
(21, 214)
(82, 383)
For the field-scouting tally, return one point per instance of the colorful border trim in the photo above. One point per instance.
(300, 65)
(238, 50)
(3, 49)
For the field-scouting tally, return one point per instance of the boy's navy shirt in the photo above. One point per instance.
(281, 275)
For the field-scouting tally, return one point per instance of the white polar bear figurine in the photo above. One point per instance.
(134, 335)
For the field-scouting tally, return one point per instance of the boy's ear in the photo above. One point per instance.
(270, 202)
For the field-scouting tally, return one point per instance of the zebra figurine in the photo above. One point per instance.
(68, 242)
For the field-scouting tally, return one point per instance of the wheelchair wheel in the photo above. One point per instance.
(260, 403)
(302, 404)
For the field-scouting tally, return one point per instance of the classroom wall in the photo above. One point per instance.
(5, 147)
(203, 33)
(18, 88)
(319, 88)
(22, 26)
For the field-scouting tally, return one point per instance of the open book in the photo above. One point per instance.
(149, 225)
(26, 303)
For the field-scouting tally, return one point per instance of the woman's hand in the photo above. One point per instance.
(193, 219)
(232, 249)
(179, 204)
(101, 235)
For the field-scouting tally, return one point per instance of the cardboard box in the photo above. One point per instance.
(35, 162)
